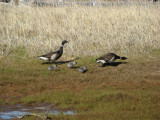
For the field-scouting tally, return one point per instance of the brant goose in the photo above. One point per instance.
(52, 56)
(52, 67)
(109, 58)
(82, 69)
(71, 64)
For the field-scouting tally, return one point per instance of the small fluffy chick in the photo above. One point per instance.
(71, 64)
(82, 69)
(52, 67)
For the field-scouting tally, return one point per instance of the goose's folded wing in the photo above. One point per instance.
(48, 55)
(105, 57)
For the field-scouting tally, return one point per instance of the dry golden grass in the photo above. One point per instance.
(91, 31)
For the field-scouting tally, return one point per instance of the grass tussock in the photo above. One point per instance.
(91, 31)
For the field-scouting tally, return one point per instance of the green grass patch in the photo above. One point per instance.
(138, 104)
(127, 91)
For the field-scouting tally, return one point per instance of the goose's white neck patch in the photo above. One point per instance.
(43, 58)
(101, 61)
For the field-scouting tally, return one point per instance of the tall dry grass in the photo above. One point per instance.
(91, 31)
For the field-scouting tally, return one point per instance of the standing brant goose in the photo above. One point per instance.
(109, 58)
(52, 56)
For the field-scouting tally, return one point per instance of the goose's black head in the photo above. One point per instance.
(64, 42)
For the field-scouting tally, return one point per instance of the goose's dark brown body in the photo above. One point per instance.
(109, 58)
(52, 56)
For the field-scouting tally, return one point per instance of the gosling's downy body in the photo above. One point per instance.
(52, 67)
(82, 69)
(71, 64)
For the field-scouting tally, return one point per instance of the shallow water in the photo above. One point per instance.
(18, 111)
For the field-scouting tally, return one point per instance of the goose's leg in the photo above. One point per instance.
(50, 61)
(54, 62)
(103, 65)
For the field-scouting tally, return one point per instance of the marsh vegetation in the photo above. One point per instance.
(127, 90)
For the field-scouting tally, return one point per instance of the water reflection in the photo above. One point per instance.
(13, 114)
(19, 111)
